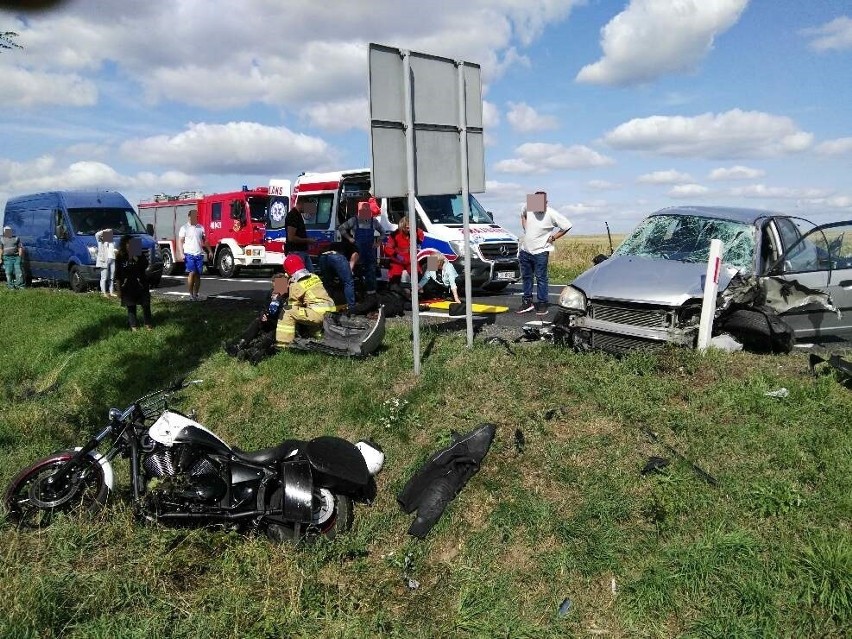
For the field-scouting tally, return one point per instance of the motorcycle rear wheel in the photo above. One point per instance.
(31, 503)
(332, 514)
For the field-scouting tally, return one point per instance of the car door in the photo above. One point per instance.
(820, 258)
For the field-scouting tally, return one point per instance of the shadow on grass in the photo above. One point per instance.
(184, 336)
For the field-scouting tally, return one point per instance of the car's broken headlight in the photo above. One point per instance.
(572, 299)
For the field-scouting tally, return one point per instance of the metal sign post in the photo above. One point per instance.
(426, 116)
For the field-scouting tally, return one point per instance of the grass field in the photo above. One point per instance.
(574, 254)
(766, 553)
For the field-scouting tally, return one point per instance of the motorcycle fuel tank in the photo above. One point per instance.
(173, 428)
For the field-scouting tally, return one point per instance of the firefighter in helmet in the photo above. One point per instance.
(309, 301)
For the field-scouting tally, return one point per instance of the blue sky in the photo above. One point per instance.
(615, 108)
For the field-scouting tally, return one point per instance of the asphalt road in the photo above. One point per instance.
(252, 288)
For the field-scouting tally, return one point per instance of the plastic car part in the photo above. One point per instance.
(444, 474)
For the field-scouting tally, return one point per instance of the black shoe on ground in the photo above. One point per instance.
(526, 307)
(541, 308)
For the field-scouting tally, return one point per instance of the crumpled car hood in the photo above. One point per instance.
(647, 280)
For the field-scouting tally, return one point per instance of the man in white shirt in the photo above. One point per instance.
(541, 230)
(194, 246)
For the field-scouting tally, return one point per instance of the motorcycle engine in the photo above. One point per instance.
(184, 474)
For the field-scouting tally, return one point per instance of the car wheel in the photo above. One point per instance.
(225, 263)
(76, 280)
(168, 262)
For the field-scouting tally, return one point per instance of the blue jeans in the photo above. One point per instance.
(107, 276)
(331, 264)
(534, 265)
(14, 273)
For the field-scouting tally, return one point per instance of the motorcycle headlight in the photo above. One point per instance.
(572, 299)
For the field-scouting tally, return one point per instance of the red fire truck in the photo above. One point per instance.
(234, 223)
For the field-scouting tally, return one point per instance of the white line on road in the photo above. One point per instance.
(214, 278)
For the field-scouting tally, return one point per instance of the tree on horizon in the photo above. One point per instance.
(7, 40)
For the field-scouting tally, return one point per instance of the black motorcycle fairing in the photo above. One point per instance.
(340, 466)
(267, 456)
(203, 438)
(298, 494)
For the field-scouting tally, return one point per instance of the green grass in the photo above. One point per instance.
(765, 554)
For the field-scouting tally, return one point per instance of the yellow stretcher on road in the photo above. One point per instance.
(444, 305)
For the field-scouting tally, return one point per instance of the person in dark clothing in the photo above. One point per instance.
(365, 234)
(336, 262)
(258, 340)
(131, 265)
(298, 241)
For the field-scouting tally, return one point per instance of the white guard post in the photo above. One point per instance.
(711, 288)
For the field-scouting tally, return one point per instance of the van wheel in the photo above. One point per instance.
(168, 262)
(225, 263)
(75, 279)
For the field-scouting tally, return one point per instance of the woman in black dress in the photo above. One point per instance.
(131, 265)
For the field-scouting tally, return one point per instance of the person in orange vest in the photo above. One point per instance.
(309, 301)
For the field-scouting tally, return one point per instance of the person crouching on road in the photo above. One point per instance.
(309, 301)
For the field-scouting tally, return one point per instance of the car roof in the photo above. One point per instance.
(735, 214)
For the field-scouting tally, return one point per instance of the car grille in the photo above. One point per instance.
(631, 315)
(623, 344)
(499, 250)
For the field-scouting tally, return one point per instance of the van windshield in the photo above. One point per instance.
(90, 221)
(447, 209)
(686, 238)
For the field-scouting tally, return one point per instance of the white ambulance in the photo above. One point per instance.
(494, 250)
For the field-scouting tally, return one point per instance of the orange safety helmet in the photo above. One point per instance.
(292, 264)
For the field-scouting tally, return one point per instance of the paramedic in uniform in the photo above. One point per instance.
(361, 231)
(309, 301)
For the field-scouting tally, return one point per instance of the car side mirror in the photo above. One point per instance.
(62, 234)
(600, 257)
(149, 229)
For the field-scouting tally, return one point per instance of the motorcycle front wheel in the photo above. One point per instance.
(332, 514)
(31, 500)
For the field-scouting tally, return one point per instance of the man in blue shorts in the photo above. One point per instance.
(195, 246)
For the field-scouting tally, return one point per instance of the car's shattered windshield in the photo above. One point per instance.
(686, 238)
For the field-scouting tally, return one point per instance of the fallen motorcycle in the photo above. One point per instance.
(181, 473)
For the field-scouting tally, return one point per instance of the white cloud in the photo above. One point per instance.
(490, 115)
(840, 146)
(540, 157)
(834, 35)
(338, 116)
(525, 119)
(778, 192)
(46, 173)
(25, 88)
(603, 185)
(241, 148)
(736, 173)
(651, 38)
(664, 177)
(212, 55)
(688, 190)
(594, 207)
(732, 134)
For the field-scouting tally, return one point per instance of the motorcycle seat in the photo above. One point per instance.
(266, 456)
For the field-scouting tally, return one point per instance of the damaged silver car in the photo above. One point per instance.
(784, 281)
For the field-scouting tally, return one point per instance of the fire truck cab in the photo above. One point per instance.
(336, 195)
(234, 223)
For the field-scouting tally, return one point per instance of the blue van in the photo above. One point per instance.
(57, 230)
